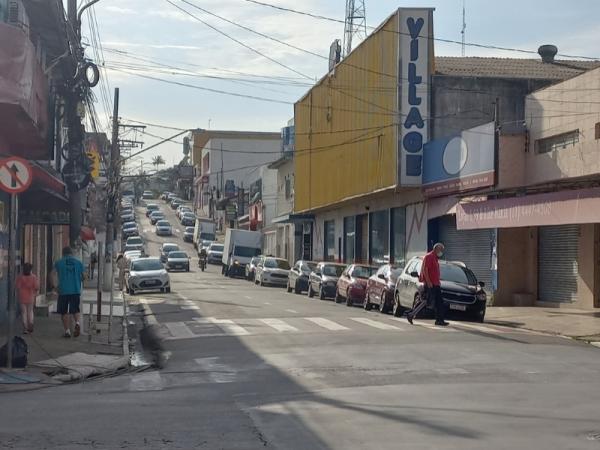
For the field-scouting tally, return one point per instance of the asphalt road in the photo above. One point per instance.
(254, 368)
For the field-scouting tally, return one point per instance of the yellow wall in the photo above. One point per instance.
(329, 168)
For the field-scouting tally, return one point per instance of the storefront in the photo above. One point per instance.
(558, 251)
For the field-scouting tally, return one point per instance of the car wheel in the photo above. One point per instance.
(321, 293)
(368, 305)
(311, 294)
(398, 309)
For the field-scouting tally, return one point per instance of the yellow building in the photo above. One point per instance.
(359, 136)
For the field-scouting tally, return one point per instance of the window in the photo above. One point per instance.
(398, 235)
(380, 237)
(329, 233)
(331, 270)
(362, 272)
(349, 239)
(457, 274)
(560, 141)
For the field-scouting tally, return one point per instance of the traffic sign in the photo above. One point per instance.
(15, 175)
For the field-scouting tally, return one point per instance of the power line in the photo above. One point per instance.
(238, 41)
(450, 41)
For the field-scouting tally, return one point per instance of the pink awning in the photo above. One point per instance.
(554, 208)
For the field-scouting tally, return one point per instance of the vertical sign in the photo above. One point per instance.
(415, 55)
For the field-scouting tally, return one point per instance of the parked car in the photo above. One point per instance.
(150, 208)
(460, 289)
(164, 228)
(352, 284)
(167, 248)
(132, 254)
(380, 288)
(170, 197)
(156, 216)
(128, 217)
(129, 229)
(323, 279)
(188, 219)
(272, 271)
(164, 195)
(133, 248)
(178, 260)
(146, 274)
(251, 268)
(147, 195)
(181, 209)
(176, 203)
(188, 234)
(134, 243)
(214, 254)
(299, 274)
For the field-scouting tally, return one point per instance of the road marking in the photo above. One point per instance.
(279, 325)
(431, 326)
(150, 317)
(375, 324)
(149, 381)
(326, 323)
(192, 307)
(216, 371)
(179, 330)
(247, 297)
(481, 328)
(292, 311)
(230, 327)
(267, 303)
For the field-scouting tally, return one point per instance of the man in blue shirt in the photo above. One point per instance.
(70, 276)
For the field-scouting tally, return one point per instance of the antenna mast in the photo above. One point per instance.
(464, 27)
(355, 27)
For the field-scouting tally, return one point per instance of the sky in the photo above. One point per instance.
(142, 40)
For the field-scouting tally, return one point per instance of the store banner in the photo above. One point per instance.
(553, 208)
(460, 163)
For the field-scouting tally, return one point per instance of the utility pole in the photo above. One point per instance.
(111, 210)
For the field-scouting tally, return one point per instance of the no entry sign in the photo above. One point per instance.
(15, 175)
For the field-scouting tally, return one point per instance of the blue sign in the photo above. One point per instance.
(459, 163)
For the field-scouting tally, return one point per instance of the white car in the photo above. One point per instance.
(181, 210)
(163, 228)
(131, 255)
(147, 274)
(273, 271)
(135, 243)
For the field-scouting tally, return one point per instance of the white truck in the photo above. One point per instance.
(240, 247)
(204, 230)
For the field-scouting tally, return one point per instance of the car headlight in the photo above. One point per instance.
(481, 296)
(236, 263)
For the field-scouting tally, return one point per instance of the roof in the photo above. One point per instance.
(511, 68)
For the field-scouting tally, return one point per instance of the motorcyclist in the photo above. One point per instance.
(202, 255)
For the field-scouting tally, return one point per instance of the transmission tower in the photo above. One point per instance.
(355, 27)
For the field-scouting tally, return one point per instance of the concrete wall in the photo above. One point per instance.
(517, 264)
(571, 105)
(586, 284)
(511, 161)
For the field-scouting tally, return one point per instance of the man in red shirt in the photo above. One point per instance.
(430, 276)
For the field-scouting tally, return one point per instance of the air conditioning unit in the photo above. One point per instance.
(17, 16)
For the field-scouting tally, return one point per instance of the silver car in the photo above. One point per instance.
(215, 254)
(163, 228)
(178, 260)
(147, 274)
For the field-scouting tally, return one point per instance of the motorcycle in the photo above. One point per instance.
(202, 262)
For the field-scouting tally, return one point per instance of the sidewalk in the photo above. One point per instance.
(54, 359)
(575, 323)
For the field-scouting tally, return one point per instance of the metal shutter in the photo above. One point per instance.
(472, 247)
(558, 247)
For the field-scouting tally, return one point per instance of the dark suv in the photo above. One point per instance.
(323, 279)
(460, 290)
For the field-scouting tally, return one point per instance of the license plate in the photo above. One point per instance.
(458, 307)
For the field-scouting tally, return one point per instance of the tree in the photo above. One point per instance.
(158, 161)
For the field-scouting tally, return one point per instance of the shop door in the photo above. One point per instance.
(558, 248)
(472, 247)
(362, 239)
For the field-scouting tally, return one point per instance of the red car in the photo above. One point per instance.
(352, 284)
(380, 288)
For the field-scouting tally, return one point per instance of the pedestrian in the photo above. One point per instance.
(70, 274)
(93, 262)
(121, 265)
(430, 276)
(28, 287)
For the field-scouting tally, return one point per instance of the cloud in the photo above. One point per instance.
(119, 10)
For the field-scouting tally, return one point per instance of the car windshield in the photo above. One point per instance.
(189, 230)
(158, 214)
(141, 265)
(216, 248)
(151, 207)
(163, 223)
(272, 263)
(362, 272)
(134, 240)
(129, 225)
(308, 267)
(332, 270)
(178, 255)
(457, 274)
(189, 215)
(170, 248)
(246, 252)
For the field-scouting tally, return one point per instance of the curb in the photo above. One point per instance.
(546, 333)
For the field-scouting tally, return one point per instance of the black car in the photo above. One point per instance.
(167, 248)
(188, 219)
(323, 279)
(460, 290)
(298, 278)
(188, 234)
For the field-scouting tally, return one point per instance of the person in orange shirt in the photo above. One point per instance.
(28, 287)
